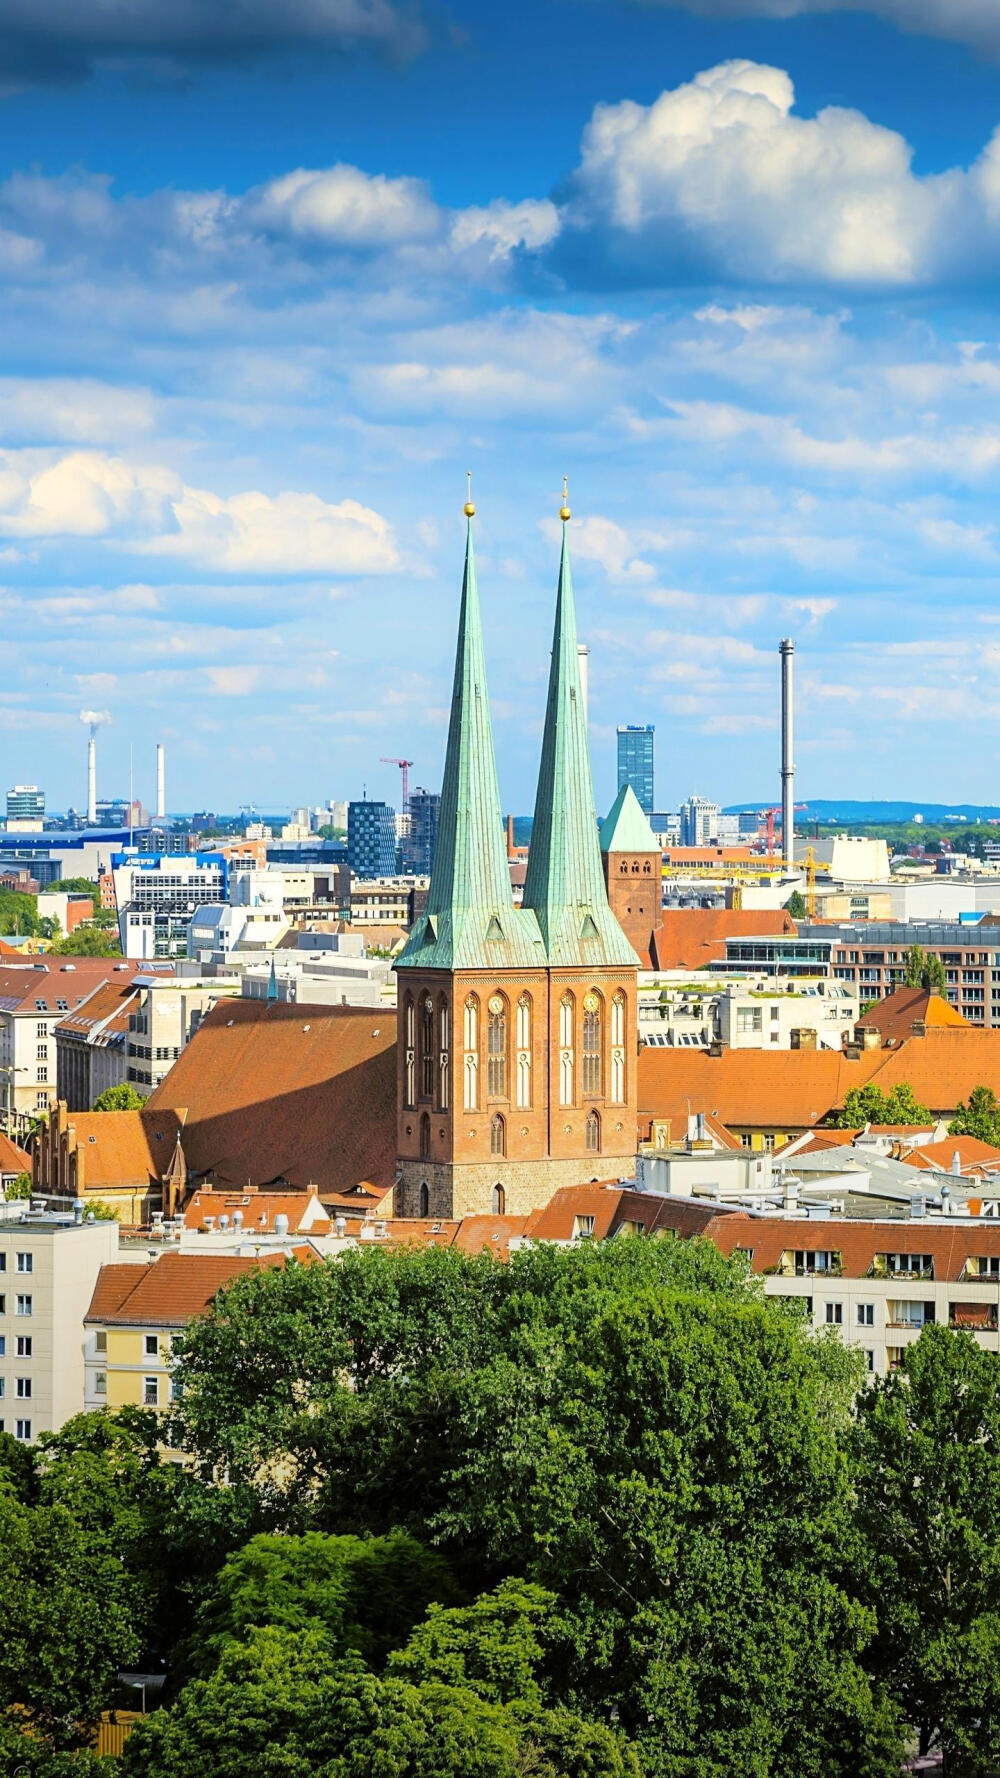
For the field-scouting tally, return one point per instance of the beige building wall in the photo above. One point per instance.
(48, 1270)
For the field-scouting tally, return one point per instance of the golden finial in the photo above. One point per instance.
(470, 511)
(564, 512)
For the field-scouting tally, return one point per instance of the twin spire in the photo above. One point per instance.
(471, 921)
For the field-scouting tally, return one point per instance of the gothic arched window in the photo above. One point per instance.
(470, 1043)
(593, 1133)
(567, 1010)
(523, 1064)
(444, 1055)
(409, 1052)
(499, 1200)
(425, 1137)
(496, 1048)
(592, 1043)
(498, 1136)
(618, 1049)
(427, 1048)
(423, 1200)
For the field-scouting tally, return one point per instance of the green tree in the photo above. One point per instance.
(74, 886)
(24, 1755)
(869, 1105)
(796, 905)
(18, 913)
(120, 1098)
(980, 1117)
(20, 1187)
(926, 1452)
(924, 970)
(87, 941)
(361, 1594)
(279, 1703)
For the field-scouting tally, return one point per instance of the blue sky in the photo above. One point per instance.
(269, 285)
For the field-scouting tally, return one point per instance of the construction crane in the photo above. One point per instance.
(767, 815)
(404, 771)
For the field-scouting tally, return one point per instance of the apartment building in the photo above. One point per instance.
(49, 1265)
(90, 1043)
(34, 997)
(132, 1316)
(163, 1020)
(156, 895)
(689, 1014)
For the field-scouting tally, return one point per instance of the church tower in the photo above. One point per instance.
(516, 1051)
(633, 870)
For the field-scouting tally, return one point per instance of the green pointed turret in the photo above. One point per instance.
(625, 827)
(471, 921)
(564, 884)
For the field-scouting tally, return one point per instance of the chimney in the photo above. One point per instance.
(787, 652)
(871, 1038)
(161, 800)
(92, 780)
(510, 836)
(803, 1039)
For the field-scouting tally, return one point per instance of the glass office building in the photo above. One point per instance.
(635, 762)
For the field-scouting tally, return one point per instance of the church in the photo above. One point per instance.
(516, 1043)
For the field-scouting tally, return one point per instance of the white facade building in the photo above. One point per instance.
(48, 1269)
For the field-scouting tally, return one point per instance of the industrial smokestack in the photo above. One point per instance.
(787, 652)
(583, 654)
(94, 720)
(161, 795)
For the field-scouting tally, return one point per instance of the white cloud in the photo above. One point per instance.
(533, 223)
(88, 494)
(720, 177)
(342, 206)
(233, 682)
(964, 452)
(76, 409)
(602, 541)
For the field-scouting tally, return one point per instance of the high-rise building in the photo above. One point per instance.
(425, 808)
(517, 1025)
(25, 809)
(635, 762)
(699, 822)
(371, 839)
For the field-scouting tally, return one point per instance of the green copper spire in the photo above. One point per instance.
(626, 827)
(470, 921)
(564, 884)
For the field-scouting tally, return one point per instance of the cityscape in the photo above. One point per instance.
(499, 1016)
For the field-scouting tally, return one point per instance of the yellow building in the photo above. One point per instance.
(134, 1314)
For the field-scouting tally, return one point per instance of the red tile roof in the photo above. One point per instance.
(109, 1005)
(40, 983)
(972, 1154)
(12, 1158)
(301, 1094)
(691, 938)
(895, 1016)
(759, 1089)
(123, 1148)
(169, 1292)
(951, 1245)
(258, 1210)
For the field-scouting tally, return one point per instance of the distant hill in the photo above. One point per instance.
(825, 809)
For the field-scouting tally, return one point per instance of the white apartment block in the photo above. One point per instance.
(48, 1269)
(694, 1013)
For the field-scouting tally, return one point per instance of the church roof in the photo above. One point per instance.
(471, 921)
(626, 827)
(564, 884)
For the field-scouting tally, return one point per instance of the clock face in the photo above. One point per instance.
(591, 1002)
(428, 1004)
(496, 1004)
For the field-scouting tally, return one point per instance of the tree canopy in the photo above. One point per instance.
(924, 969)
(120, 1098)
(980, 1117)
(869, 1105)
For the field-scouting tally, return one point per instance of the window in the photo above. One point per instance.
(425, 1137)
(566, 1016)
(866, 1314)
(835, 1314)
(409, 1038)
(593, 1133)
(496, 1048)
(499, 1201)
(427, 1048)
(498, 1136)
(749, 1018)
(618, 1049)
(592, 1043)
(41, 1052)
(42, 1073)
(472, 1023)
(3, 1387)
(423, 1199)
(470, 1034)
(472, 1083)
(22, 1429)
(150, 1392)
(444, 1067)
(522, 1085)
(101, 1383)
(24, 1345)
(919, 1265)
(23, 1306)
(41, 1101)
(100, 1342)
(820, 1259)
(23, 1389)
(25, 1262)
(583, 1228)
(3, 1345)
(870, 1359)
(152, 1346)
